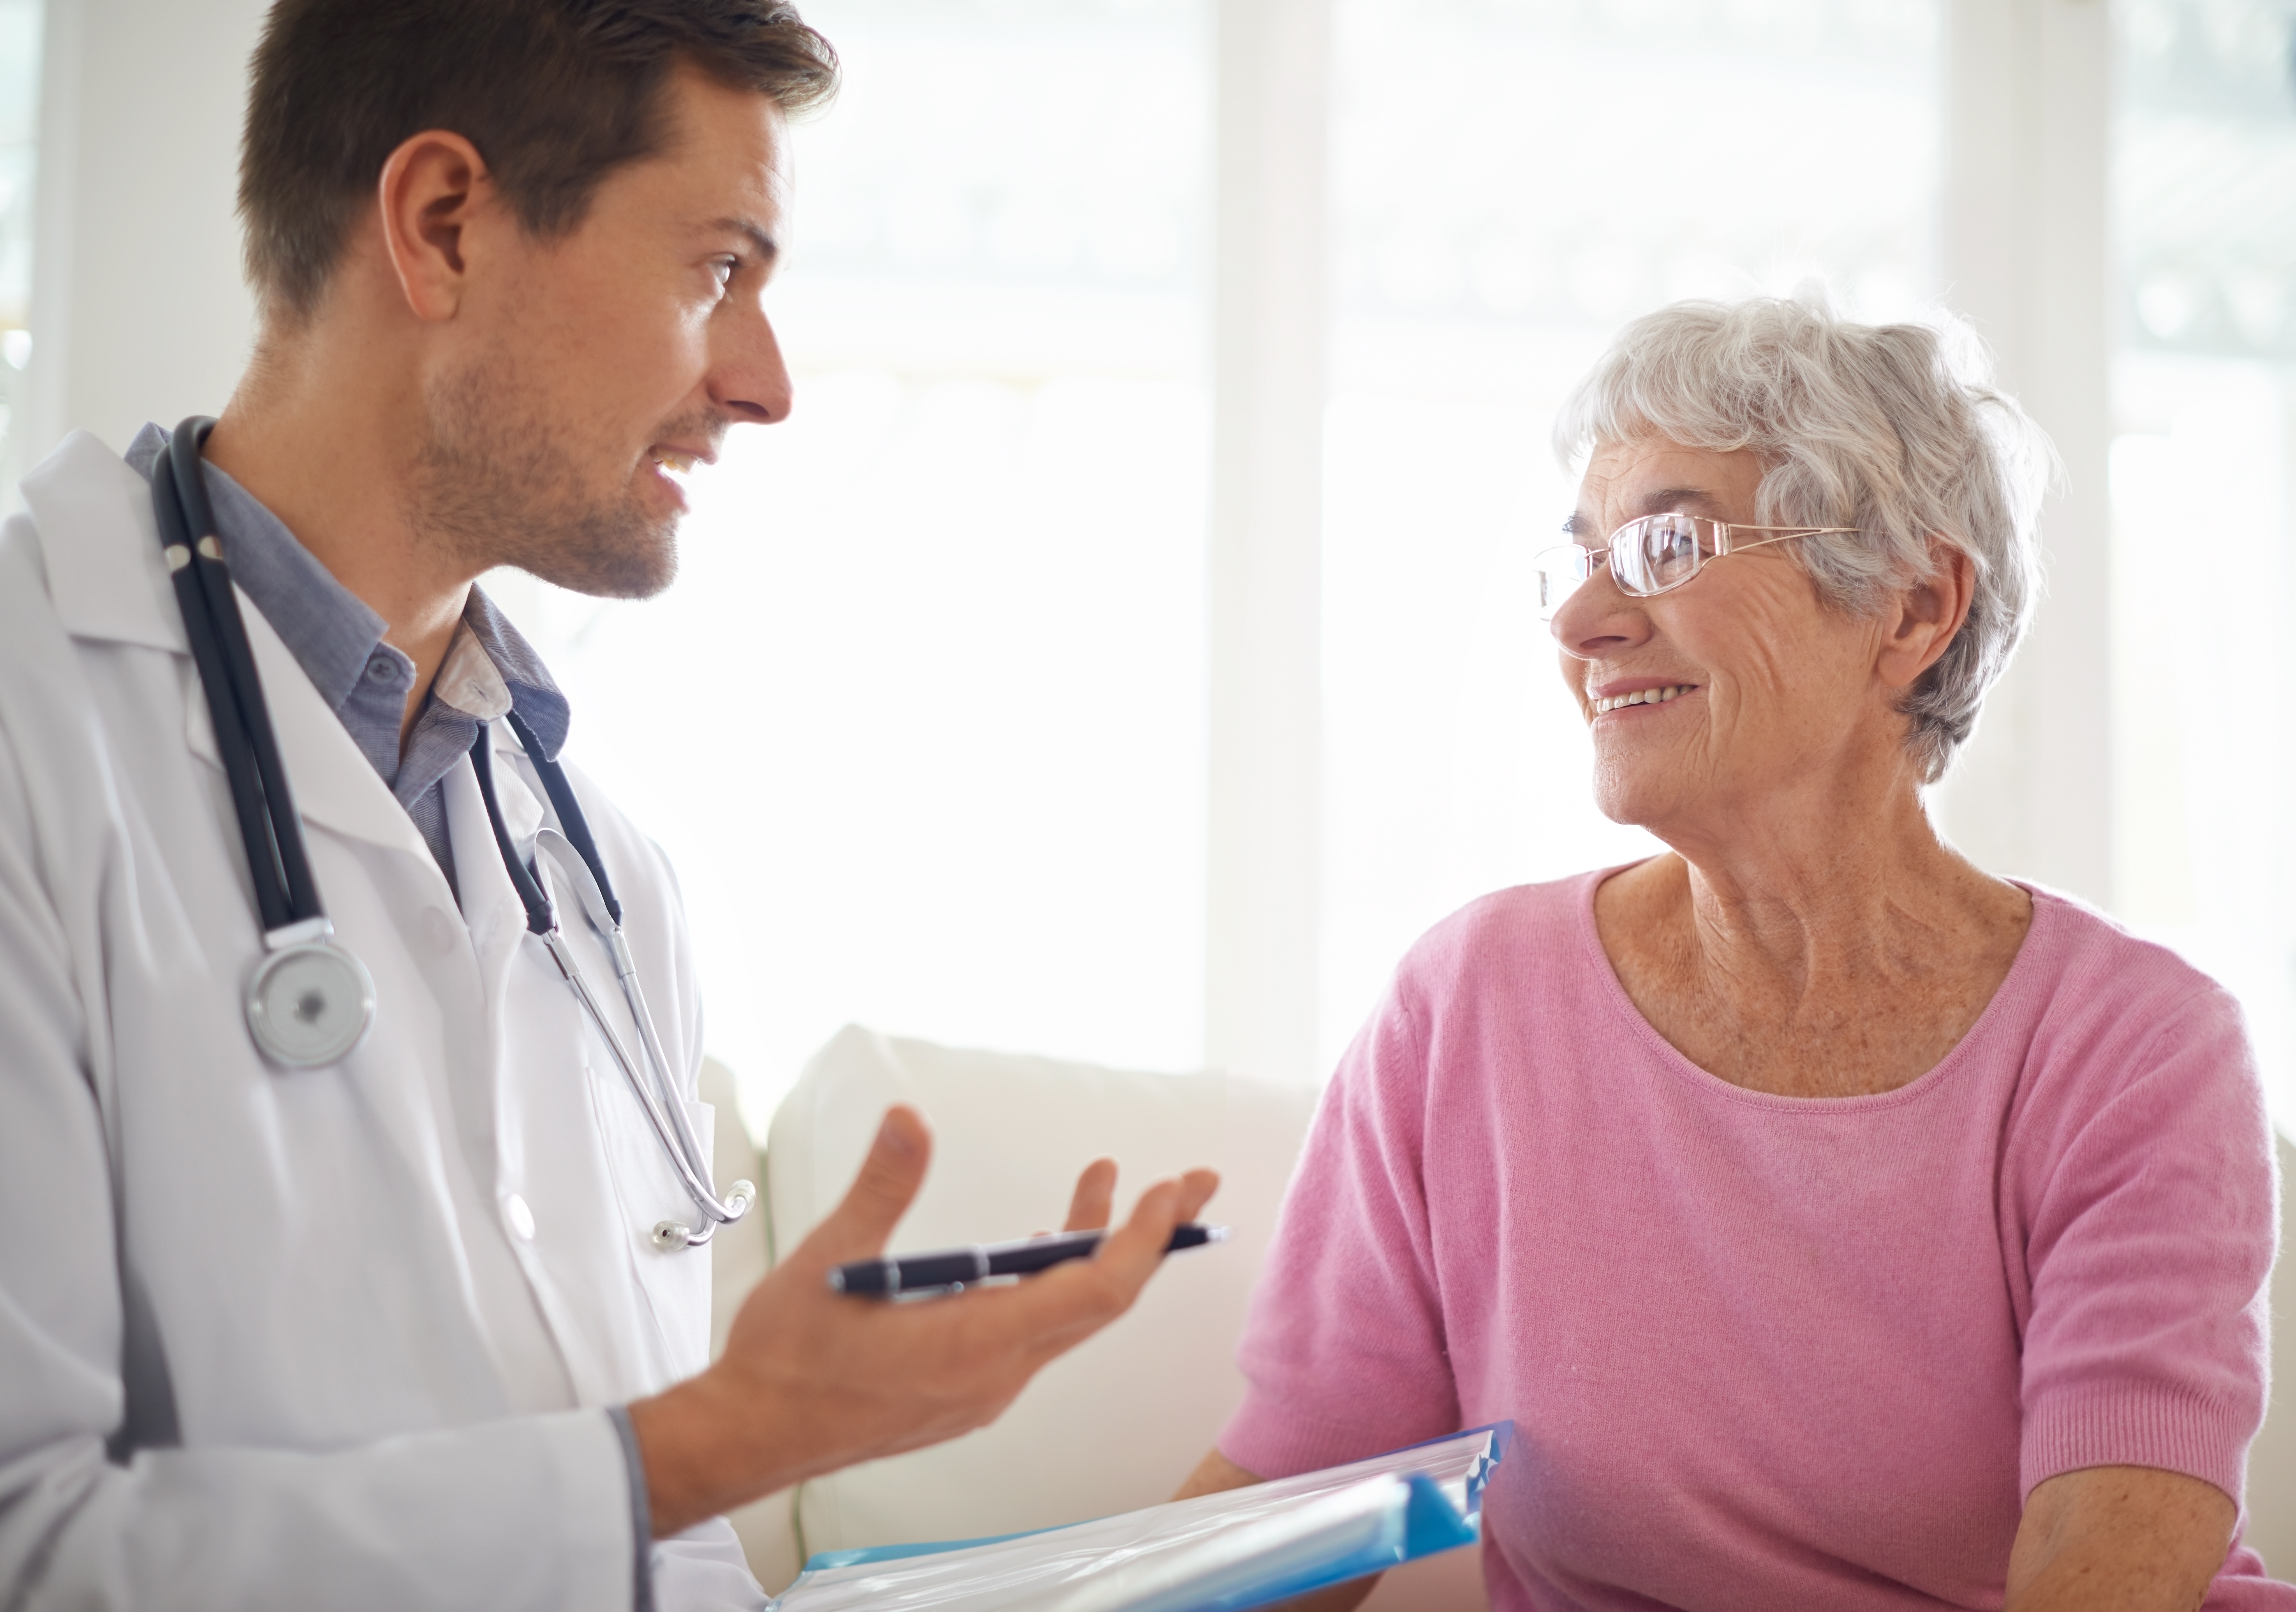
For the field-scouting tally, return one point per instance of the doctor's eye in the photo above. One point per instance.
(723, 268)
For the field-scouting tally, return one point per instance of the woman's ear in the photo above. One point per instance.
(1925, 617)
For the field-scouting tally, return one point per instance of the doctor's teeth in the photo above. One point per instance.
(1643, 697)
(678, 463)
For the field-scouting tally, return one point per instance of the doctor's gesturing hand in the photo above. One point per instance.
(811, 1380)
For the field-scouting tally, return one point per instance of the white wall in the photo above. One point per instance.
(138, 309)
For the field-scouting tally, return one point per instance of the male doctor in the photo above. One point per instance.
(392, 1332)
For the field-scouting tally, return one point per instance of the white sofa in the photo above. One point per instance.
(1118, 1423)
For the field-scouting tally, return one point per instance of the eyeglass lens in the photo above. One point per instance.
(1561, 570)
(1655, 553)
(1646, 556)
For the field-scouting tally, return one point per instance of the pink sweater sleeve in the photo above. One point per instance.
(2147, 1207)
(1344, 1346)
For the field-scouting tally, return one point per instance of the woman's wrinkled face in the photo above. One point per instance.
(1776, 690)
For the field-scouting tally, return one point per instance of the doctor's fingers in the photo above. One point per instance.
(879, 1195)
(964, 1359)
(1095, 1198)
(1059, 1309)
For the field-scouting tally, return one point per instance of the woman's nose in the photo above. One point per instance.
(1597, 620)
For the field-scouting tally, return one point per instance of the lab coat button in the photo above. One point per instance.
(520, 1217)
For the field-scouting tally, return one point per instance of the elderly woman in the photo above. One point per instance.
(1841, 1227)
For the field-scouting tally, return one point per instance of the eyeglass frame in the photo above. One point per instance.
(1723, 547)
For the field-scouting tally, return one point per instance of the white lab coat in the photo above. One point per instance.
(246, 1353)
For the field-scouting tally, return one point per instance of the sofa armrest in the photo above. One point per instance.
(739, 1255)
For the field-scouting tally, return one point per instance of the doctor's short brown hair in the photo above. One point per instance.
(554, 94)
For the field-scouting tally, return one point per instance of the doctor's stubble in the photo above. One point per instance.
(496, 484)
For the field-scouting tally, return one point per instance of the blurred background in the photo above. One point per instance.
(1128, 648)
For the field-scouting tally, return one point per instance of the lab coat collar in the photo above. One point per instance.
(337, 787)
(100, 544)
(333, 783)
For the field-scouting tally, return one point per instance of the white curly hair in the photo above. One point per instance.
(1895, 430)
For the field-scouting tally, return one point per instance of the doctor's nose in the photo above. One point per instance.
(750, 383)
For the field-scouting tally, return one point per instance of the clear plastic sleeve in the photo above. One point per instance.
(1215, 1553)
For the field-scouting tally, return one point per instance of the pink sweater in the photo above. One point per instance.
(1766, 1351)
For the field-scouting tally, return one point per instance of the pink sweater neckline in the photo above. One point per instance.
(1995, 1021)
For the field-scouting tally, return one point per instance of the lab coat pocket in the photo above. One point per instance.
(677, 1280)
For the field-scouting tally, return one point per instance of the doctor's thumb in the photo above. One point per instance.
(881, 1193)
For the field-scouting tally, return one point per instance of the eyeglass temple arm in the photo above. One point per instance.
(1780, 533)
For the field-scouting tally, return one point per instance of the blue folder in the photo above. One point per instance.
(1217, 1553)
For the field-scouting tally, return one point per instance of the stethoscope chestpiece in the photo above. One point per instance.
(310, 1002)
(671, 1235)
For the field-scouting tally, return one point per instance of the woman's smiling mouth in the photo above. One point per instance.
(1657, 696)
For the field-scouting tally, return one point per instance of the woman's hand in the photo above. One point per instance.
(2118, 1539)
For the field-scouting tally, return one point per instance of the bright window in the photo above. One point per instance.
(1510, 184)
(2205, 773)
(921, 721)
(19, 109)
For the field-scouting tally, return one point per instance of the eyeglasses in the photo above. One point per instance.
(1653, 555)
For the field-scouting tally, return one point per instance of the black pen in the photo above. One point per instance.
(948, 1270)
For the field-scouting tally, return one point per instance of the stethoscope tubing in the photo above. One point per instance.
(294, 921)
(576, 827)
(286, 893)
(657, 1096)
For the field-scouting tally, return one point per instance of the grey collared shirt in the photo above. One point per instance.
(338, 641)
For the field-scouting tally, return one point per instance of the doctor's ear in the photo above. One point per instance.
(433, 189)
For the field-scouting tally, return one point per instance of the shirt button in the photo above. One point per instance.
(380, 668)
(438, 930)
(519, 1217)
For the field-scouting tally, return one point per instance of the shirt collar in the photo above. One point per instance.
(332, 632)
(532, 691)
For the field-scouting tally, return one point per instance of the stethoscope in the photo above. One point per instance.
(310, 1001)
